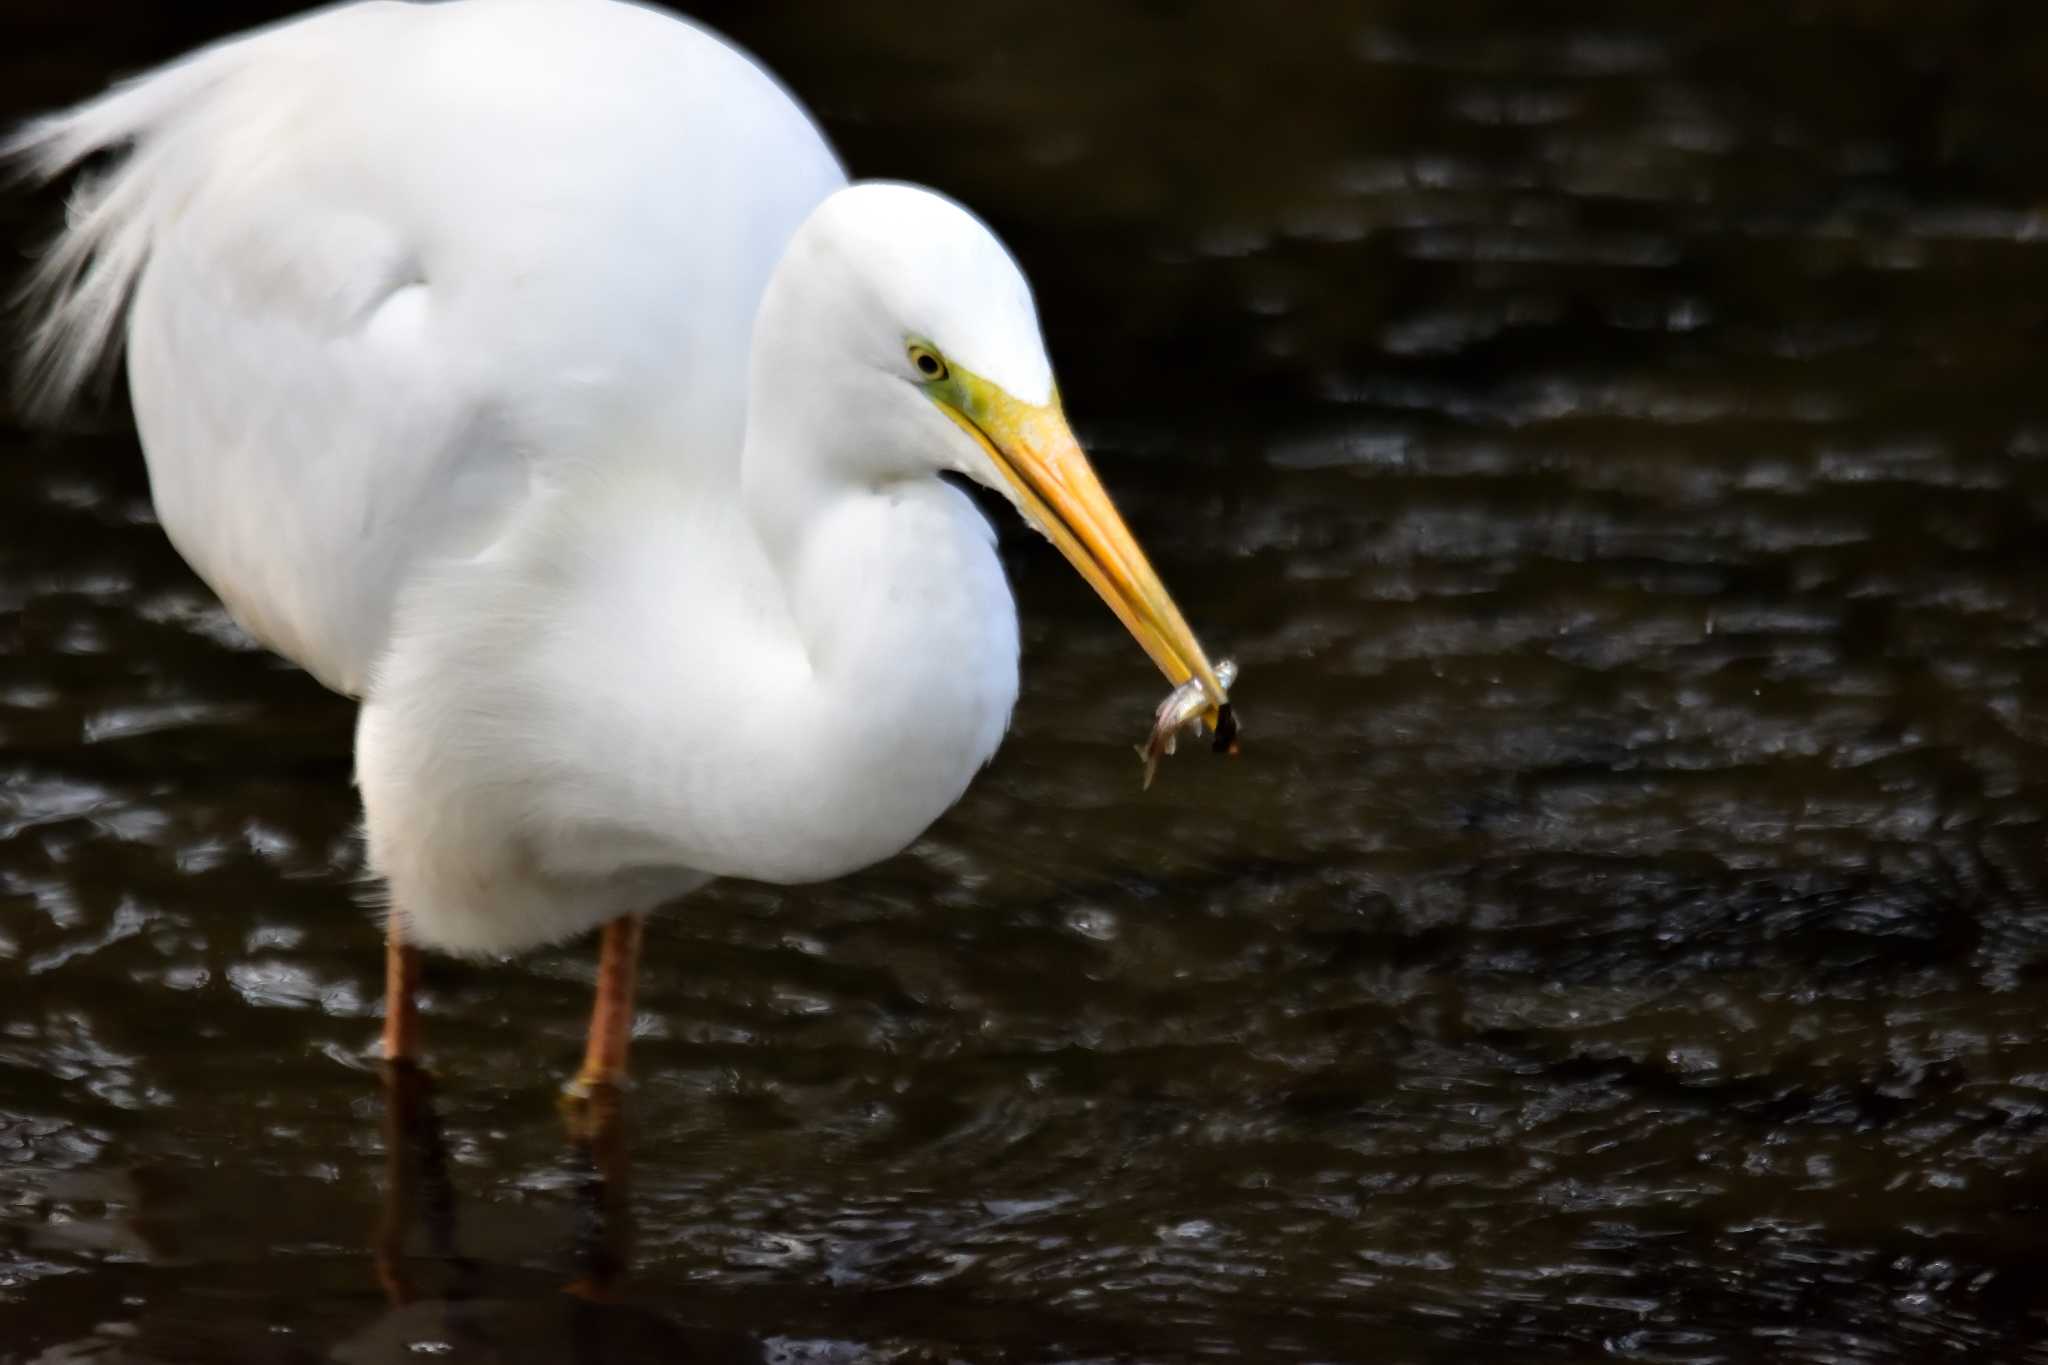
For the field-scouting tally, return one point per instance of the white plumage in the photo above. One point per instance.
(527, 369)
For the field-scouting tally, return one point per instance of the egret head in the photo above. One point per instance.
(929, 326)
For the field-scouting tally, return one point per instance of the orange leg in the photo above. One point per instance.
(401, 992)
(611, 1018)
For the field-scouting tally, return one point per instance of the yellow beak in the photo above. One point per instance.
(1036, 452)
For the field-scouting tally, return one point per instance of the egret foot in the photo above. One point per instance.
(590, 1111)
(408, 1087)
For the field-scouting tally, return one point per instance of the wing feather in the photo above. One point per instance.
(379, 268)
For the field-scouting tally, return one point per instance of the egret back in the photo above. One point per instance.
(383, 271)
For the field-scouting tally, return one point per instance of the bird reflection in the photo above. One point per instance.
(417, 1188)
(604, 1214)
(416, 1183)
(461, 1309)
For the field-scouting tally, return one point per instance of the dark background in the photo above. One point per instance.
(1612, 439)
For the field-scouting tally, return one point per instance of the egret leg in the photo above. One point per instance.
(401, 996)
(611, 1018)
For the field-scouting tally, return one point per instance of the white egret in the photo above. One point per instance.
(529, 370)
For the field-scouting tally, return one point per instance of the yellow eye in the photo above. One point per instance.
(926, 361)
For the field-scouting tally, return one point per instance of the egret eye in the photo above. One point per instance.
(926, 362)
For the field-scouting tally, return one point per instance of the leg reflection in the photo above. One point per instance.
(441, 1302)
(415, 1179)
(417, 1187)
(604, 1214)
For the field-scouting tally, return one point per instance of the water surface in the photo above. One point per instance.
(1615, 444)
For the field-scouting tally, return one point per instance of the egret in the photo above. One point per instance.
(530, 371)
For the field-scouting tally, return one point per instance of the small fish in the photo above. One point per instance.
(1186, 708)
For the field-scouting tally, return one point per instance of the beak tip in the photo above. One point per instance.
(1226, 730)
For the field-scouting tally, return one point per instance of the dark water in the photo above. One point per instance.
(1614, 441)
